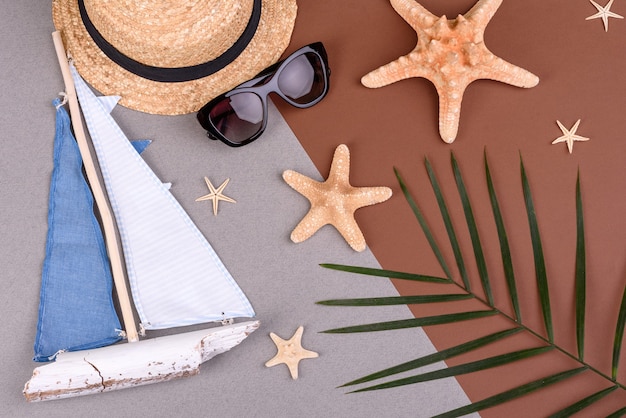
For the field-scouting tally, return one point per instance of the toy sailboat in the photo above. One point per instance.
(176, 279)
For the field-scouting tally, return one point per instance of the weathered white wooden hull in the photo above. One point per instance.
(132, 364)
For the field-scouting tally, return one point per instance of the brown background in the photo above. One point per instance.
(582, 71)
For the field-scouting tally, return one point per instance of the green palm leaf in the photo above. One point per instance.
(618, 414)
(540, 264)
(462, 286)
(448, 223)
(396, 300)
(386, 273)
(420, 218)
(512, 394)
(473, 230)
(580, 277)
(503, 239)
(413, 322)
(619, 336)
(438, 356)
(466, 368)
(583, 403)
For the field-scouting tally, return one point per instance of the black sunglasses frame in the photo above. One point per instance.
(262, 85)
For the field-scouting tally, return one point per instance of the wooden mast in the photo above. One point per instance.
(113, 249)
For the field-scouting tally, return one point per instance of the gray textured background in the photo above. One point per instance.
(281, 279)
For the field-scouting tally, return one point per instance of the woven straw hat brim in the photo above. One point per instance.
(269, 42)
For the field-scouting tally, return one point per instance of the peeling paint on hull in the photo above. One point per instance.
(132, 364)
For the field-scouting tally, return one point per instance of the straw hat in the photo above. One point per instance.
(171, 57)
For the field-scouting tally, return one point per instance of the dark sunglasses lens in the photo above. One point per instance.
(238, 117)
(302, 80)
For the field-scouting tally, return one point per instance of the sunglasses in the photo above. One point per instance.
(239, 116)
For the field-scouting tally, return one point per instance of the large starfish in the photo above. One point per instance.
(334, 201)
(451, 54)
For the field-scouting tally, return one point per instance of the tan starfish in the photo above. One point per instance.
(569, 136)
(290, 352)
(604, 13)
(216, 194)
(334, 201)
(451, 54)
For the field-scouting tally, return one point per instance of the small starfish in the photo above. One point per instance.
(604, 13)
(569, 136)
(216, 194)
(290, 352)
(334, 201)
(451, 54)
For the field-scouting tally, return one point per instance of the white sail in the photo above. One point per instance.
(176, 277)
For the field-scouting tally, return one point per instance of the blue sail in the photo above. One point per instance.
(76, 310)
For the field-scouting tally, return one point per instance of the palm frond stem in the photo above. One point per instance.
(553, 344)
(492, 311)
